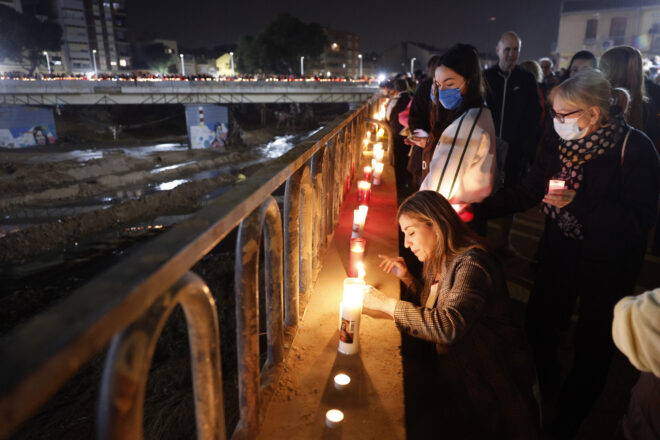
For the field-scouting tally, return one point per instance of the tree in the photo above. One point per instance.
(157, 58)
(24, 38)
(279, 46)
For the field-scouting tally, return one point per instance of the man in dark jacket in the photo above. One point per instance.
(512, 96)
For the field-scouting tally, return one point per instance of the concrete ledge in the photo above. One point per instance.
(372, 403)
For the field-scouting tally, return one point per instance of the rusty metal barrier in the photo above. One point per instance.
(126, 307)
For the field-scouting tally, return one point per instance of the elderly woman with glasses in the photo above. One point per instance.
(598, 185)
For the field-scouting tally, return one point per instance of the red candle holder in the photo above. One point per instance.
(367, 173)
(364, 192)
(357, 247)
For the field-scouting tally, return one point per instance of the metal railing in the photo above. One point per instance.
(127, 306)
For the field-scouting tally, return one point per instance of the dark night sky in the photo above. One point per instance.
(380, 25)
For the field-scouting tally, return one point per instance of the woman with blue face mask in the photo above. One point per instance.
(461, 148)
(598, 184)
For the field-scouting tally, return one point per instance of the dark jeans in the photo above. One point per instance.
(563, 276)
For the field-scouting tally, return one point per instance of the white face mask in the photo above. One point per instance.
(569, 130)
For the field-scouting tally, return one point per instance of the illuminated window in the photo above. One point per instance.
(334, 47)
(122, 62)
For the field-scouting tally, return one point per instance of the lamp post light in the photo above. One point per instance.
(412, 64)
(183, 66)
(94, 60)
(47, 61)
(231, 56)
(360, 58)
(302, 66)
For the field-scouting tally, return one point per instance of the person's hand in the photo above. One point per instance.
(559, 197)
(415, 141)
(375, 300)
(394, 265)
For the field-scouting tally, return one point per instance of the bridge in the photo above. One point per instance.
(105, 92)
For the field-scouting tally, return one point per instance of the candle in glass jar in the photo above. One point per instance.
(360, 270)
(379, 154)
(367, 173)
(359, 217)
(350, 313)
(333, 418)
(380, 133)
(358, 244)
(378, 171)
(556, 184)
(368, 135)
(364, 192)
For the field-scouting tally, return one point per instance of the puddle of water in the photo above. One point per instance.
(166, 186)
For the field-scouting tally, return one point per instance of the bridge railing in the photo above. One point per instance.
(126, 307)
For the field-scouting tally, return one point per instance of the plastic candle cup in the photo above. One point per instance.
(364, 192)
(378, 171)
(357, 247)
(379, 153)
(333, 418)
(341, 381)
(359, 217)
(556, 184)
(360, 270)
(350, 313)
(367, 173)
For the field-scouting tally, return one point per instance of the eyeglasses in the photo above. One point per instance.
(561, 117)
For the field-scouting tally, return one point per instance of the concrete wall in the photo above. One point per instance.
(23, 126)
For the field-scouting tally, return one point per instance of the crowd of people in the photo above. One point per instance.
(473, 145)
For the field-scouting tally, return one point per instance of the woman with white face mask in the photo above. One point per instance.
(598, 213)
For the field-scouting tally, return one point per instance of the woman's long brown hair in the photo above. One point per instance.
(453, 236)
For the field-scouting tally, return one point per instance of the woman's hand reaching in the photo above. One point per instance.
(394, 265)
(375, 300)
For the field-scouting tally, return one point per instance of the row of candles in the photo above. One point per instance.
(350, 309)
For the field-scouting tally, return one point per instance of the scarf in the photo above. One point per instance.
(573, 155)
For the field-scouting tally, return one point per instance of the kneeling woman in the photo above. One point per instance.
(483, 377)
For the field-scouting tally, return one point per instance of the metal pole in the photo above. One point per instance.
(183, 67)
(231, 54)
(412, 64)
(47, 61)
(360, 57)
(94, 59)
(302, 66)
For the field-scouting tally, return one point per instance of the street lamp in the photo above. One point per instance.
(183, 67)
(302, 66)
(360, 58)
(231, 55)
(94, 60)
(412, 65)
(47, 61)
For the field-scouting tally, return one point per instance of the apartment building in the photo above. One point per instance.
(599, 25)
(340, 56)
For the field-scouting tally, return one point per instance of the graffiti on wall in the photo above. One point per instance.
(26, 127)
(208, 125)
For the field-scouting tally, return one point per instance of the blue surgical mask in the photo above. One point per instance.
(450, 98)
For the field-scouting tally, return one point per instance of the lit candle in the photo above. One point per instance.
(350, 313)
(341, 381)
(366, 142)
(361, 272)
(368, 135)
(373, 164)
(364, 192)
(359, 217)
(333, 418)
(378, 171)
(358, 244)
(379, 153)
(556, 184)
(367, 173)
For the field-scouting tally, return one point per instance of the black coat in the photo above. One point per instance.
(518, 122)
(399, 106)
(420, 109)
(616, 205)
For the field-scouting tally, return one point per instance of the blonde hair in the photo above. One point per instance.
(452, 234)
(534, 68)
(589, 88)
(622, 65)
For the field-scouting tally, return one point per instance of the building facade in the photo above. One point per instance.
(340, 56)
(599, 25)
(14, 4)
(406, 57)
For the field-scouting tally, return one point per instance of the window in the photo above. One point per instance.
(618, 30)
(122, 62)
(591, 32)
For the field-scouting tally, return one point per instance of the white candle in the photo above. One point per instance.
(556, 184)
(341, 381)
(360, 270)
(379, 154)
(381, 131)
(378, 171)
(333, 418)
(351, 311)
(359, 217)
